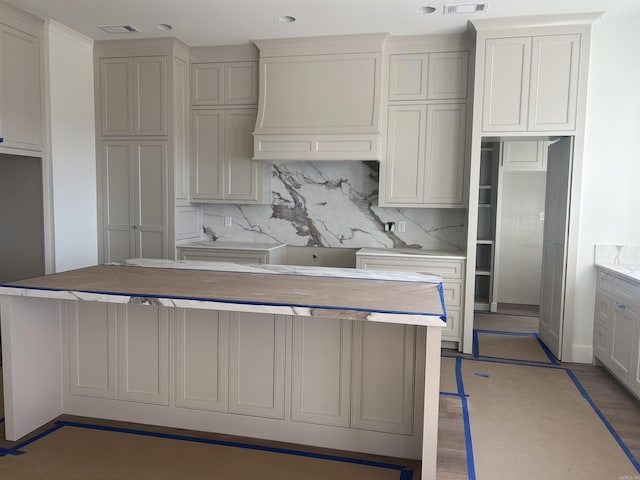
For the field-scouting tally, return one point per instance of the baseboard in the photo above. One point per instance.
(580, 354)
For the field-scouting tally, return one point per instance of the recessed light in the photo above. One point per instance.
(426, 9)
(164, 26)
(287, 19)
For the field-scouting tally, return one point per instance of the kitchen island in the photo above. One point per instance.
(252, 350)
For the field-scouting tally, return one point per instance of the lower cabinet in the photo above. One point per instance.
(345, 384)
(617, 328)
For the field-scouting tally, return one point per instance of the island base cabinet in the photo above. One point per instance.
(335, 383)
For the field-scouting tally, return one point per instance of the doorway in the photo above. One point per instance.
(524, 199)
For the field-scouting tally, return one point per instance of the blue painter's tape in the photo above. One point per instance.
(551, 356)
(442, 302)
(471, 466)
(452, 394)
(476, 347)
(406, 475)
(604, 420)
(1, 420)
(17, 449)
(478, 374)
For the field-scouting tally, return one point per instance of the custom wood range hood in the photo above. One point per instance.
(319, 98)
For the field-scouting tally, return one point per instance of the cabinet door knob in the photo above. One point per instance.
(621, 306)
(1, 139)
(135, 227)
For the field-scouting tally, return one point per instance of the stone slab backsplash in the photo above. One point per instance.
(334, 204)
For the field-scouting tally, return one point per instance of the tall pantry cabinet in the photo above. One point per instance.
(142, 119)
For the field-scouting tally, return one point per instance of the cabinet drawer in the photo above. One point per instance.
(605, 281)
(235, 256)
(625, 290)
(452, 294)
(604, 309)
(451, 331)
(447, 269)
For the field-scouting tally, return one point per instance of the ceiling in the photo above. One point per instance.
(228, 22)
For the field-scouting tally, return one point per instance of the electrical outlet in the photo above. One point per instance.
(401, 226)
(390, 227)
(228, 221)
(542, 216)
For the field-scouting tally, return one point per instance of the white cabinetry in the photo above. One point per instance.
(20, 89)
(530, 156)
(321, 371)
(425, 159)
(222, 169)
(383, 384)
(531, 83)
(617, 327)
(133, 96)
(449, 267)
(118, 351)
(142, 108)
(224, 83)
(135, 203)
(426, 142)
(236, 252)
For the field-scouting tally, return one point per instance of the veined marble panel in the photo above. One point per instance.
(334, 204)
(617, 255)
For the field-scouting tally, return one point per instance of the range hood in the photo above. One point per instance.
(319, 98)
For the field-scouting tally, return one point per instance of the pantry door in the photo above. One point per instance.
(554, 247)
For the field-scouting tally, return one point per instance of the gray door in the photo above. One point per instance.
(554, 246)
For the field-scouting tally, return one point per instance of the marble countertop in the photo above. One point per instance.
(630, 272)
(277, 289)
(226, 245)
(410, 252)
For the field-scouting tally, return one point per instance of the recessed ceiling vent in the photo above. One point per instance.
(116, 29)
(465, 8)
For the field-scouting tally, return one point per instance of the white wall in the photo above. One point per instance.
(72, 119)
(609, 211)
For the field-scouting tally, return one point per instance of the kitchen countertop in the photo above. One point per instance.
(226, 245)
(278, 289)
(623, 260)
(411, 252)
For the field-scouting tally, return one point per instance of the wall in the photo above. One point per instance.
(333, 204)
(609, 211)
(73, 158)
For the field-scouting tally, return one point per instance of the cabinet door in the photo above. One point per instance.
(116, 97)
(92, 349)
(506, 84)
(181, 111)
(445, 155)
(202, 338)
(207, 80)
(20, 106)
(408, 77)
(554, 82)
(403, 168)
(241, 173)
(448, 75)
(241, 83)
(143, 354)
(150, 199)
(207, 155)
(382, 387)
(117, 201)
(525, 156)
(622, 350)
(149, 95)
(321, 373)
(256, 364)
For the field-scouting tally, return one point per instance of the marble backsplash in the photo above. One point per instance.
(334, 204)
(617, 254)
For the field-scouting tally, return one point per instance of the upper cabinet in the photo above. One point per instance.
(133, 96)
(428, 76)
(20, 89)
(426, 138)
(224, 83)
(531, 83)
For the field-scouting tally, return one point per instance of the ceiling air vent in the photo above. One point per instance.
(465, 8)
(115, 29)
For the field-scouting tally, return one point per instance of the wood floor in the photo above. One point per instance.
(617, 405)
